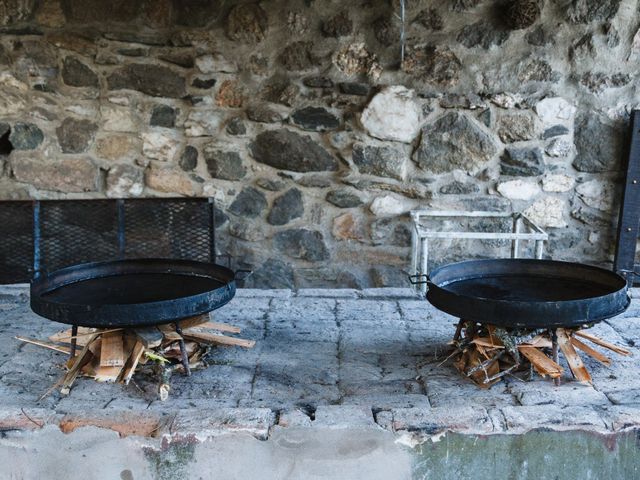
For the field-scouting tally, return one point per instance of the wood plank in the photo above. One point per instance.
(39, 343)
(169, 333)
(131, 364)
(487, 342)
(80, 360)
(112, 350)
(543, 364)
(217, 339)
(149, 337)
(590, 351)
(107, 374)
(193, 321)
(223, 327)
(602, 343)
(573, 359)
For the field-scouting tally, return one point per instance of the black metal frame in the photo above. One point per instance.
(629, 220)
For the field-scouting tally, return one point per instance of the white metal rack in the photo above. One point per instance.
(523, 230)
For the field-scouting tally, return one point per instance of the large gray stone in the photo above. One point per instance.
(25, 136)
(273, 273)
(75, 136)
(77, 74)
(249, 203)
(599, 145)
(452, 142)
(516, 127)
(522, 162)
(286, 207)
(287, 150)
(316, 119)
(154, 80)
(482, 34)
(16, 11)
(383, 161)
(344, 198)
(65, 175)
(163, 116)
(224, 164)
(302, 243)
(585, 11)
(247, 23)
(189, 158)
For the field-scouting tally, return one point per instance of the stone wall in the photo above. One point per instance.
(300, 119)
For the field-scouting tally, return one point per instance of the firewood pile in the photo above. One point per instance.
(486, 354)
(114, 355)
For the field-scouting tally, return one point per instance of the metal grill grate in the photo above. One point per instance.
(170, 228)
(74, 232)
(16, 242)
(78, 231)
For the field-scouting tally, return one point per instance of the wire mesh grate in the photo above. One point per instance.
(74, 232)
(16, 242)
(169, 228)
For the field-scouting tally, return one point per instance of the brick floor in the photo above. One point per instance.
(325, 356)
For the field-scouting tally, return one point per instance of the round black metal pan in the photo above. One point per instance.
(519, 293)
(131, 293)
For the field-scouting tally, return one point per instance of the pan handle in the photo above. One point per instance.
(419, 279)
(242, 274)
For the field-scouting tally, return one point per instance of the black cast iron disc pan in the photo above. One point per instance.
(131, 293)
(519, 293)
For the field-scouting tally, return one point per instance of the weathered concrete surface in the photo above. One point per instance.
(359, 372)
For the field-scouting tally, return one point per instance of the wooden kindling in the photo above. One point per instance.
(485, 353)
(114, 355)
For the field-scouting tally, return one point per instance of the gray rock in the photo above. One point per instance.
(344, 198)
(194, 13)
(318, 81)
(486, 117)
(438, 65)
(203, 83)
(430, 19)
(269, 184)
(247, 23)
(273, 273)
(452, 142)
(236, 127)
(598, 82)
(25, 136)
(586, 11)
(456, 100)
(189, 158)
(463, 5)
(77, 74)
(163, 116)
(385, 31)
(75, 136)
(613, 37)
(314, 181)
(389, 276)
(539, 37)
(182, 59)
(522, 162)
(459, 188)
(355, 88)
(516, 127)
(124, 181)
(555, 131)
(297, 56)
(226, 165)
(286, 207)
(599, 145)
(219, 217)
(249, 203)
(287, 150)
(315, 119)
(382, 161)
(154, 80)
(339, 25)
(537, 71)
(302, 243)
(482, 34)
(265, 113)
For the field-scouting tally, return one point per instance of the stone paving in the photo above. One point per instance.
(331, 358)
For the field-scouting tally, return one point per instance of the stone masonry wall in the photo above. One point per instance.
(315, 140)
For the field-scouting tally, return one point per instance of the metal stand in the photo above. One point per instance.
(183, 352)
(74, 341)
(421, 235)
